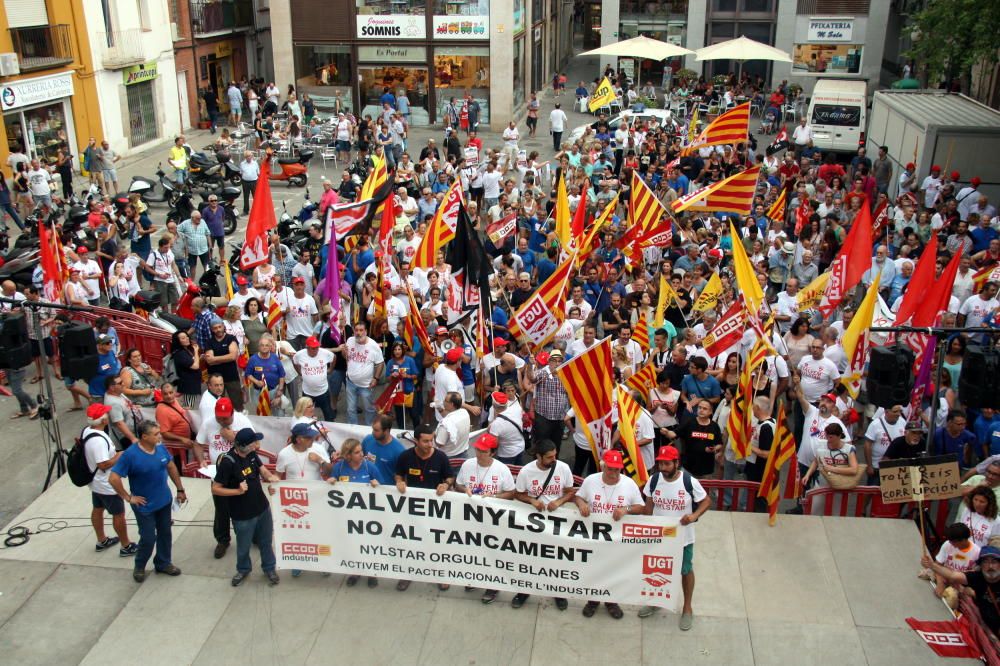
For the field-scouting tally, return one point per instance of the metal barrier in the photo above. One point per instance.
(744, 493)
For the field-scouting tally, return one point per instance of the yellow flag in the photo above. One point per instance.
(811, 295)
(563, 218)
(709, 296)
(855, 340)
(663, 301)
(603, 96)
(693, 126)
(746, 278)
(590, 237)
(228, 277)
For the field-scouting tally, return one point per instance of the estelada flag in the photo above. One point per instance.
(539, 318)
(782, 450)
(603, 95)
(732, 195)
(589, 382)
(949, 638)
(851, 262)
(732, 127)
(727, 331)
(260, 222)
(442, 228)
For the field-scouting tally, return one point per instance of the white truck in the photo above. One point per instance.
(929, 127)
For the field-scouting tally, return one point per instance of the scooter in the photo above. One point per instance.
(295, 170)
(146, 304)
(184, 207)
(146, 188)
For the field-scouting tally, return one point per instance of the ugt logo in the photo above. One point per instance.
(294, 502)
(656, 572)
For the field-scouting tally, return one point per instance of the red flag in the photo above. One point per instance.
(51, 272)
(261, 221)
(881, 218)
(936, 300)
(802, 215)
(579, 219)
(950, 638)
(392, 395)
(920, 282)
(854, 258)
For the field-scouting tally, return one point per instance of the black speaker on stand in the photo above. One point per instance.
(14, 341)
(979, 382)
(890, 376)
(77, 351)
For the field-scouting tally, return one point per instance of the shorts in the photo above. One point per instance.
(110, 175)
(532, 122)
(236, 111)
(687, 566)
(344, 146)
(476, 191)
(113, 504)
(167, 292)
(220, 241)
(36, 349)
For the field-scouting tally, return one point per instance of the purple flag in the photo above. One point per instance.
(922, 384)
(332, 291)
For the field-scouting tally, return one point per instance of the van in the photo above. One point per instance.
(838, 115)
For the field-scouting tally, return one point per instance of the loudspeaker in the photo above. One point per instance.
(890, 376)
(979, 383)
(14, 341)
(77, 351)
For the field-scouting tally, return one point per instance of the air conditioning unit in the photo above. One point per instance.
(174, 34)
(9, 64)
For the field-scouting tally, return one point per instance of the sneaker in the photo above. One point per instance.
(489, 596)
(372, 582)
(272, 578)
(107, 543)
(352, 580)
(129, 550)
(238, 579)
(561, 603)
(687, 621)
(518, 600)
(648, 611)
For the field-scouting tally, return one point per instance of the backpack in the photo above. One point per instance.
(169, 373)
(76, 462)
(685, 478)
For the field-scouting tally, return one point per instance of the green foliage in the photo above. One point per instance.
(954, 35)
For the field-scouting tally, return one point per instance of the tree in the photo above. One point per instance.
(950, 36)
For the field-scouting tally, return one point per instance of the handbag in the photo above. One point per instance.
(841, 481)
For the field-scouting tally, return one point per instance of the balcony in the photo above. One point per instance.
(216, 17)
(42, 46)
(120, 48)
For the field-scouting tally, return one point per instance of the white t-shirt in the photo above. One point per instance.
(982, 528)
(531, 478)
(90, 267)
(510, 441)
(206, 407)
(210, 435)
(603, 498)
(446, 381)
(296, 464)
(361, 360)
(98, 449)
(881, 437)
(671, 499)
(408, 248)
(313, 370)
(645, 429)
(491, 184)
(976, 310)
(932, 187)
(486, 481)
(239, 300)
(452, 436)
(163, 265)
(814, 434)
(394, 311)
(830, 458)
(958, 560)
(300, 315)
(817, 377)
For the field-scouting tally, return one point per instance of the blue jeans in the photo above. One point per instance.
(335, 383)
(9, 209)
(322, 403)
(365, 394)
(511, 460)
(260, 529)
(16, 378)
(154, 529)
(182, 267)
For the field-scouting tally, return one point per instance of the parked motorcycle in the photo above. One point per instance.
(184, 207)
(294, 170)
(146, 188)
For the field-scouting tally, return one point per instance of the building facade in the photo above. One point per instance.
(48, 93)
(347, 52)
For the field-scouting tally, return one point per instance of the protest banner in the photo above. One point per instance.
(459, 539)
(916, 479)
(472, 156)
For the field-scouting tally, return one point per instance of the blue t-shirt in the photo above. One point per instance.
(365, 259)
(499, 317)
(945, 443)
(705, 388)
(270, 367)
(147, 476)
(408, 364)
(107, 366)
(528, 259)
(546, 268)
(342, 471)
(384, 456)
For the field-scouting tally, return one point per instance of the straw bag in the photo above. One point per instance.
(841, 481)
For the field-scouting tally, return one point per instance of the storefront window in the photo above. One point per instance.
(462, 7)
(518, 73)
(461, 71)
(418, 7)
(409, 80)
(40, 131)
(324, 71)
(827, 59)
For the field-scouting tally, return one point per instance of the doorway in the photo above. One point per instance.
(182, 100)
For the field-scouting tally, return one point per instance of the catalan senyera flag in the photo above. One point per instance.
(589, 383)
(645, 210)
(666, 296)
(590, 239)
(782, 450)
(731, 195)
(603, 95)
(378, 176)
(441, 229)
(984, 275)
(759, 352)
(482, 333)
(741, 415)
(640, 332)
(810, 295)
(540, 317)
(731, 127)
(777, 210)
(856, 342)
(264, 401)
(643, 380)
(274, 313)
(628, 414)
(561, 212)
(709, 296)
(746, 278)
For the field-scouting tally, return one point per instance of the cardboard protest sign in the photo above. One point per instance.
(917, 479)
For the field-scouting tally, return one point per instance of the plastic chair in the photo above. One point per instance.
(617, 103)
(329, 154)
(788, 110)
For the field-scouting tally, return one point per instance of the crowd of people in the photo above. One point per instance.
(446, 391)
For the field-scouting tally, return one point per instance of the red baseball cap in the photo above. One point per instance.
(499, 342)
(97, 410)
(542, 358)
(223, 408)
(935, 168)
(910, 166)
(241, 280)
(976, 181)
(312, 341)
(441, 330)
(830, 396)
(715, 252)
(668, 453)
(486, 442)
(499, 398)
(613, 459)
(298, 280)
(82, 249)
(956, 175)
(454, 355)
